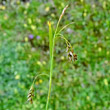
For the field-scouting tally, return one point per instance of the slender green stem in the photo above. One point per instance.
(51, 45)
(67, 42)
(65, 27)
(38, 76)
(50, 80)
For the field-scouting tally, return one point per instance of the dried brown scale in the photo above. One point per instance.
(75, 57)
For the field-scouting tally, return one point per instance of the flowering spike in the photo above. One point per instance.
(31, 95)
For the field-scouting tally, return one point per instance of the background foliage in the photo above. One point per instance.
(24, 52)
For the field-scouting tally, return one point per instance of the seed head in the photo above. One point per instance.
(30, 95)
(70, 53)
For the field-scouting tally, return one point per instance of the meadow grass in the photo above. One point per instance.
(84, 85)
(51, 47)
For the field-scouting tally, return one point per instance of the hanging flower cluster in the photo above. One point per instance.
(31, 95)
(70, 53)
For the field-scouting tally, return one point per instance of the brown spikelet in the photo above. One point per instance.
(31, 95)
(70, 53)
(64, 10)
(62, 13)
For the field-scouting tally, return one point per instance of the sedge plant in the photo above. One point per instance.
(69, 51)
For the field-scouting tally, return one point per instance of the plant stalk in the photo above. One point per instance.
(50, 79)
(51, 46)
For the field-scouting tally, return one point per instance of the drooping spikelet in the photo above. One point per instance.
(31, 95)
(71, 55)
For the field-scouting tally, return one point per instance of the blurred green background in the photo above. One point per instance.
(24, 53)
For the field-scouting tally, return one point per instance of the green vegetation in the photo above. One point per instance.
(24, 53)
